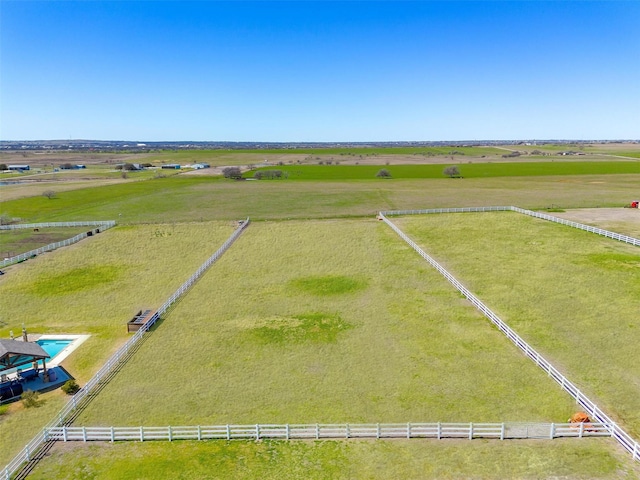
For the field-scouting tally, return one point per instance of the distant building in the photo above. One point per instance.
(19, 168)
(171, 166)
(198, 166)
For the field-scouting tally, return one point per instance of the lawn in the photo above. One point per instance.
(571, 294)
(334, 321)
(570, 459)
(94, 287)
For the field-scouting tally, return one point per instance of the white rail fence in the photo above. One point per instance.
(590, 407)
(318, 431)
(117, 359)
(52, 246)
(531, 213)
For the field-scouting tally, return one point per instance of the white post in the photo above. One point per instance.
(228, 432)
(581, 429)
(199, 433)
(141, 434)
(317, 431)
(439, 431)
(347, 432)
(288, 432)
(408, 430)
(64, 433)
(502, 431)
(377, 430)
(552, 431)
(84, 434)
(170, 434)
(257, 432)
(113, 437)
(471, 431)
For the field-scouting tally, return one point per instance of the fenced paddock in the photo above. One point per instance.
(627, 442)
(122, 355)
(97, 225)
(470, 431)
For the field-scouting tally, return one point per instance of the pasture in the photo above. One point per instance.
(15, 242)
(94, 287)
(571, 294)
(312, 320)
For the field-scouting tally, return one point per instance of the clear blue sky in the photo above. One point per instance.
(319, 71)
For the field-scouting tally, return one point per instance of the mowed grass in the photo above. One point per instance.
(572, 294)
(94, 287)
(15, 242)
(336, 321)
(471, 170)
(183, 198)
(445, 459)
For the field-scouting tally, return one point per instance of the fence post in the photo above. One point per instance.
(471, 431)
(64, 433)
(84, 434)
(113, 435)
(288, 433)
(581, 429)
(439, 431)
(170, 434)
(377, 430)
(552, 431)
(502, 431)
(228, 432)
(347, 432)
(317, 431)
(27, 454)
(257, 432)
(408, 430)
(199, 433)
(141, 433)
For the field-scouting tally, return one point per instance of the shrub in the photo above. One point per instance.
(30, 399)
(3, 409)
(452, 171)
(49, 194)
(70, 387)
(384, 173)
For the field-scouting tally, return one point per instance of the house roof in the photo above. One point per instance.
(14, 353)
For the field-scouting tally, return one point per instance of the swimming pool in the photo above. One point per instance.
(58, 347)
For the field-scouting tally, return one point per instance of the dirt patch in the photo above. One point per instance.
(621, 220)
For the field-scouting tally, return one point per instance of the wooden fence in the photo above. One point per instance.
(117, 359)
(52, 246)
(319, 431)
(629, 444)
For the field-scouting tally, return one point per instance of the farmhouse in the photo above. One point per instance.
(19, 168)
(171, 166)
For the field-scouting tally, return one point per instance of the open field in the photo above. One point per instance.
(571, 294)
(15, 242)
(476, 170)
(183, 198)
(311, 332)
(94, 287)
(147, 252)
(571, 460)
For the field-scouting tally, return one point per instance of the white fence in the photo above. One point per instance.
(117, 359)
(543, 216)
(591, 408)
(318, 431)
(52, 246)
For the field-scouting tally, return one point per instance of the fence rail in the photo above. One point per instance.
(631, 445)
(118, 358)
(531, 213)
(318, 431)
(52, 246)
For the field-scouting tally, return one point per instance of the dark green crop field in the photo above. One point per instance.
(471, 170)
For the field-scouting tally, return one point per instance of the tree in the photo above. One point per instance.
(3, 166)
(453, 171)
(49, 194)
(232, 172)
(384, 173)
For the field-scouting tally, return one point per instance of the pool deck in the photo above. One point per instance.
(58, 376)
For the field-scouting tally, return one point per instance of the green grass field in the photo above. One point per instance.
(473, 170)
(294, 296)
(183, 198)
(94, 287)
(572, 294)
(313, 331)
(328, 460)
(15, 242)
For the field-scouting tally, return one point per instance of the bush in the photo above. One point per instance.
(30, 399)
(70, 387)
(384, 173)
(3, 409)
(49, 194)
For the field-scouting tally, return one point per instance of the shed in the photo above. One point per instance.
(18, 167)
(171, 166)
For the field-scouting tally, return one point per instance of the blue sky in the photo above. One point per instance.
(319, 71)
